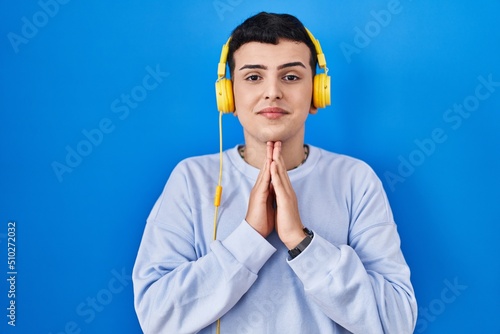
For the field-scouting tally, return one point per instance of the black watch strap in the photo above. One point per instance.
(302, 245)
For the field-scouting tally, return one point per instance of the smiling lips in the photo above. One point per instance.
(272, 112)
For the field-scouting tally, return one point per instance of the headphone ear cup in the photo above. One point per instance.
(321, 90)
(224, 94)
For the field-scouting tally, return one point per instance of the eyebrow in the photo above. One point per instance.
(292, 64)
(280, 67)
(251, 66)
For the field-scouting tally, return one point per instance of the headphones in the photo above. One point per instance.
(224, 86)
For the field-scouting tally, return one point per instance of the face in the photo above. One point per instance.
(273, 87)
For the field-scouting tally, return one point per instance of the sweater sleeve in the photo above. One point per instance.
(364, 285)
(178, 291)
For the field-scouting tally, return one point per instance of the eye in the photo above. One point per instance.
(253, 77)
(290, 77)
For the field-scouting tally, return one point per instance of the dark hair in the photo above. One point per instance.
(270, 28)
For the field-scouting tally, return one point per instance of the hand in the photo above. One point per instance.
(273, 203)
(287, 222)
(261, 212)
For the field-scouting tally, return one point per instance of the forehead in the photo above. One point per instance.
(272, 55)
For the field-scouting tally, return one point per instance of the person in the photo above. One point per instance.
(306, 241)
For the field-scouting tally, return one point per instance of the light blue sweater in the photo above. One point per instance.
(352, 278)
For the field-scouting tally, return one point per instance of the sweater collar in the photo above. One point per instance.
(251, 172)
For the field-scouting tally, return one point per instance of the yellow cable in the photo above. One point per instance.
(218, 194)
(218, 189)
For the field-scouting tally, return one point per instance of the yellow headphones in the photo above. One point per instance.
(224, 86)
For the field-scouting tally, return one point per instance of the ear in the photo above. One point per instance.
(313, 110)
(235, 112)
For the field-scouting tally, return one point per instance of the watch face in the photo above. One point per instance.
(303, 244)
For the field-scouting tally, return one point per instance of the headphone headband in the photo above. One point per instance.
(221, 70)
(319, 52)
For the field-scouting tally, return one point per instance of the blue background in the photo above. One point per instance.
(65, 69)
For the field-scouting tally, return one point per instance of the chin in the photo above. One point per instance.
(273, 136)
(272, 139)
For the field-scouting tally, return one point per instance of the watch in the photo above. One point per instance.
(303, 244)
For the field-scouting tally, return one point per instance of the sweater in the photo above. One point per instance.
(351, 278)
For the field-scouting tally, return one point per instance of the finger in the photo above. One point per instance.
(269, 150)
(264, 177)
(258, 213)
(271, 201)
(276, 153)
(278, 158)
(264, 171)
(278, 170)
(279, 181)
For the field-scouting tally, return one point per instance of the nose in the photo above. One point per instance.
(273, 90)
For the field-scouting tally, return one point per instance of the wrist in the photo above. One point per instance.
(301, 246)
(293, 240)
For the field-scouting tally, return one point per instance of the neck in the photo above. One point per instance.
(294, 154)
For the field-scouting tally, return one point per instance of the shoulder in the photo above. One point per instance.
(201, 166)
(341, 163)
(344, 171)
(198, 161)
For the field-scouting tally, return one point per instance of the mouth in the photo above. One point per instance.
(272, 112)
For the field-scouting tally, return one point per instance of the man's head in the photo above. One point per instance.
(273, 86)
(270, 28)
